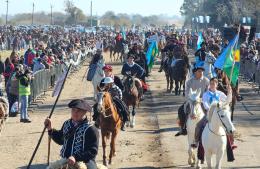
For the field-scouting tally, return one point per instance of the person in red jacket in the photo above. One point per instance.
(9, 68)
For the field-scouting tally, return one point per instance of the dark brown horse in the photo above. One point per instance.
(131, 95)
(222, 86)
(180, 69)
(110, 122)
(166, 68)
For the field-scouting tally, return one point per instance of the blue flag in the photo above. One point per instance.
(227, 51)
(200, 40)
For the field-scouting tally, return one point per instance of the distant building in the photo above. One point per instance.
(95, 22)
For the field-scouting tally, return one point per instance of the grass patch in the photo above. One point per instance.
(5, 54)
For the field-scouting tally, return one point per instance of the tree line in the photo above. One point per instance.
(74, 15)
(221, 11)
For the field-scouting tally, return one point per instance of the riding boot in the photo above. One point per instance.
(182, 118)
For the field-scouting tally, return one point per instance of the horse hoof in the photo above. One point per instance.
(110, 162)
(105, 163)
(114, 154)
(127, 124)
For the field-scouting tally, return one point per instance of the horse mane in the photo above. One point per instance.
(4, 107)
(213, 106)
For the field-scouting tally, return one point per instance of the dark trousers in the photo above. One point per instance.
(12, 99)
(182, 117)
(199, 128)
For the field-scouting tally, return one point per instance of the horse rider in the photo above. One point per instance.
(78, 138)
(96, 57)
(210, 96)
(140, 58)
(200, 54)
(169, 50)
(133, 69)
(198, 81)
(108, 70)
(107, 84)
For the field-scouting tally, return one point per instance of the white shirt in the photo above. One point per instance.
(209, 96)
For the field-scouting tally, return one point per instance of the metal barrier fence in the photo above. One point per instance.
(44, 79)
(251, 72)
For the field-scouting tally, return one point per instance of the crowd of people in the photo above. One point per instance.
(43, 50)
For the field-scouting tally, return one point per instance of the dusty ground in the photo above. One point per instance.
(151, 144)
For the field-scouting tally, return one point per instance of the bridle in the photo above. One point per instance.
(222, 124)
(193, 103)
(103, 112)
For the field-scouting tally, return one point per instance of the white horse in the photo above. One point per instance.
(209, 61)
(214, 138)
(195, 114)
(99, 75)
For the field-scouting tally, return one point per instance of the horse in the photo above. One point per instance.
(4, 111)
(98, 76)
(131, 95)
(195, 114)
(121, 52)
(110, 122)
(214, 138)
(222, 86)
(63, 164)
(166, 68)
(209, 61)
(178, 73)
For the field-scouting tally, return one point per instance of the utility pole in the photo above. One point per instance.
(6, 17)
(32, 13)
(91, 24)
(51, 14)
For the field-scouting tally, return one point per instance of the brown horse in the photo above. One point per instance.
(222, 86)
(132, 95)
(110, 122)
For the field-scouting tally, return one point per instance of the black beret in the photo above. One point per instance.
(80, 104)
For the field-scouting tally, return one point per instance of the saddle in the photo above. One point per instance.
(122, 108)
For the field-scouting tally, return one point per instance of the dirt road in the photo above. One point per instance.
(151, 144)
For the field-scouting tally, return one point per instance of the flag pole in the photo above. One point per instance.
(52, 110)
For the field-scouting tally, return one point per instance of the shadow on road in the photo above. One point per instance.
(35, 166)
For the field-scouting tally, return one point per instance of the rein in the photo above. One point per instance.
(214, 132)
(106, 116)
(222, 124)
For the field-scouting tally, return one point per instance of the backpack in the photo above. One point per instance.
(91, 72)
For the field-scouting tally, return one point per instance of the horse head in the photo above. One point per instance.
(129, 83)
(193, 106)
(104, 102)
(220, 114)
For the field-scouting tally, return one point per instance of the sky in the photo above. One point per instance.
(143, 7)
